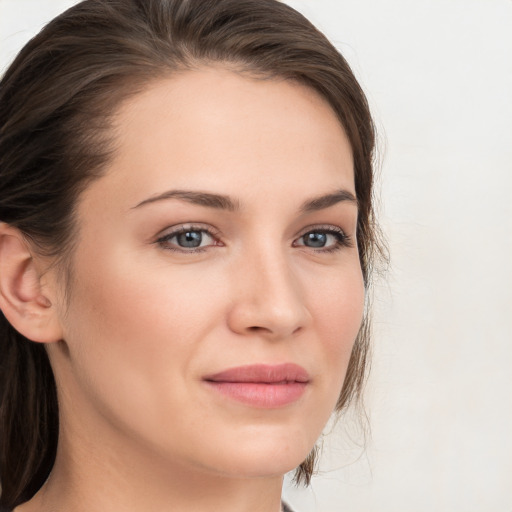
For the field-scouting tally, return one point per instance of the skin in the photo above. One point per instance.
(145, 320)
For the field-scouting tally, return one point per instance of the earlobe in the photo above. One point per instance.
(22, 299)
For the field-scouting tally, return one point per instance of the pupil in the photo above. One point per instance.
(315, 239)
(190, 239)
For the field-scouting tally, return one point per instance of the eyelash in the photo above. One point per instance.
(163, 241)
(342, 239)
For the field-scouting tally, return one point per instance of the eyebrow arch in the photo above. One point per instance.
(327, 200)
(223, 202)
(207, 199)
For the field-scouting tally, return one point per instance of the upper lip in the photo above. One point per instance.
(263, 373)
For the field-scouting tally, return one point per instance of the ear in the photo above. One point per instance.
(22, 299)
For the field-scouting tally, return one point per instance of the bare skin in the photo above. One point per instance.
(274, 277)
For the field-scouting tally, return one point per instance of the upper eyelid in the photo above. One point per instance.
(332, 230)
(322, 227)
(180, 228)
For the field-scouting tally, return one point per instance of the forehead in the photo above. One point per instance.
(219, 130)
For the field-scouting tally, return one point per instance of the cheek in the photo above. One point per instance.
(337, 310)
(141, 314)
(134, 331)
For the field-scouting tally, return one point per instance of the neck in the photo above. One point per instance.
(121, 477)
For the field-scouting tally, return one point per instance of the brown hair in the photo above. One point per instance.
(56, 104)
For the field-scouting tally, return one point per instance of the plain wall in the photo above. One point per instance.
(439, 78)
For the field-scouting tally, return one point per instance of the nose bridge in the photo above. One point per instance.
(270, 298)
(275, 281)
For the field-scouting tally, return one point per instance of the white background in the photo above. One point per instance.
(438, 74)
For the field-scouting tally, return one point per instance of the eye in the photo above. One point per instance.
(324, 239)
(187, 239)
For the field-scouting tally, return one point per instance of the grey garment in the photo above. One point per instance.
(286, 507)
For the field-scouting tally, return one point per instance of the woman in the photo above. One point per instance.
(186, 241)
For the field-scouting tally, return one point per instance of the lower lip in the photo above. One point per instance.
(259, 394)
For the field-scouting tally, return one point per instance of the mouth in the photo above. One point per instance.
(262, 386)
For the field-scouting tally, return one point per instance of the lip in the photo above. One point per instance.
(261, 385)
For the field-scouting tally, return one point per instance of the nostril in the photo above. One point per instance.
(256, 328)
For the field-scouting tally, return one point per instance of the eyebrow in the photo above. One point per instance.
(222, 202)
(207, 199)
(327, 200)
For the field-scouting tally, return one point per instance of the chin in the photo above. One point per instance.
(265, 455)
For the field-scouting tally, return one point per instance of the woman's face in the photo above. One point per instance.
(216, 286)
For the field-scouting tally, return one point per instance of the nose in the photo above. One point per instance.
(268, 299)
